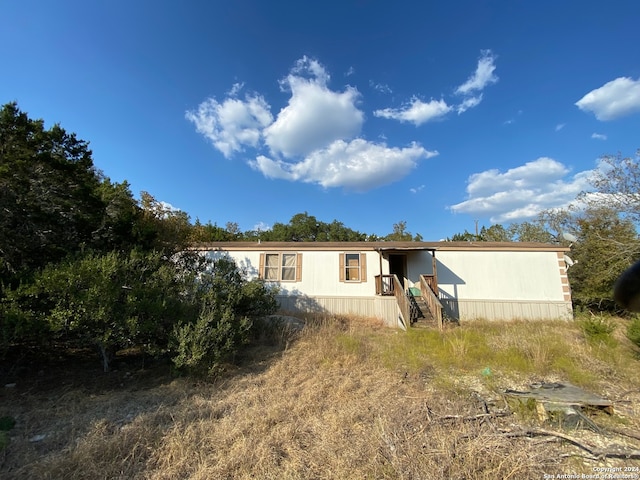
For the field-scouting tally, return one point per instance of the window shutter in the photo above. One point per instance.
(341, 267)
(363, 267)
(298, 267)
(261, 267)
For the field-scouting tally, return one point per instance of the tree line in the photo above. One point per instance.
(83, 263)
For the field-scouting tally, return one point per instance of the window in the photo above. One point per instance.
(353, 267)
(281, 267)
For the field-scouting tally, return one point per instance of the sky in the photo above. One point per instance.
(443, 115)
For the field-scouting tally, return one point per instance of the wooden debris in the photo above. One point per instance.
(563, 404)
(610, 452)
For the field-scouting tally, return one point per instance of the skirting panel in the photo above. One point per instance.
(384, 308)
(507, 310)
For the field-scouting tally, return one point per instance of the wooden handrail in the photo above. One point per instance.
(385, 285)
(431, 298)
(432, 281)
(402, 301)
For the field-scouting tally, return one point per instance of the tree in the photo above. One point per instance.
(535, 231)
(49, 193)
(617, 184)
(306, 228)
(160, 226)
(606, 245)
(531, 232)
(84, 264)
(401, 234)
(112, 301)
(495, 233)
(466, 236)
(209, 233)
(121, 216)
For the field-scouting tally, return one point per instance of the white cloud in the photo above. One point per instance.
(232, 124)
(522, 192)
(380, 87)
(417, 112)
(350, 72)
(315, 136)
(166, 206)
(469, 103)
(235, 89)
(615, 99)
(315, 115)
(598, 136)
(356, 165)
(417, 189)
(512, 120)
(560, 126)
(261, 227)
(483, 75)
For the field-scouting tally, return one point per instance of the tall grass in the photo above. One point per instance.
(343, 399)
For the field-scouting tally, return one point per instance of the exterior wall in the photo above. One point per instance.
(465, 310)
(320, 289)
(504, 285)
(474, 283)
(320, 273)
(500, 275)
(418, 263)
(384, 308)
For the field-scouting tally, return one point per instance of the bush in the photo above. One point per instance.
(228, 304)
(598, 329)
(201, 347)
(633, 331)
(111, 301)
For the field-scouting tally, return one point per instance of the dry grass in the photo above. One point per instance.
(348, 399)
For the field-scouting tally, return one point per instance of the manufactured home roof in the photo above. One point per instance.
(407, 246)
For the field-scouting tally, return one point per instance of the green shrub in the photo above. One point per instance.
(633, 331)
(113, 300)
(598, 330)
(228, 305)
(201, 347)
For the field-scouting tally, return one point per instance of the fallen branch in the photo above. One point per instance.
(625, 432)
(596, 452)
(628, 392)
(472, 418)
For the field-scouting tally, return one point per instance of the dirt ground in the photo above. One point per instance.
(306, 409)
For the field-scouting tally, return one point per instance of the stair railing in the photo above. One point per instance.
(431, 299)
(402, 301)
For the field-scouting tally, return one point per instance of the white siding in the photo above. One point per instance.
(490, 275)
(473, 284)
(384, 308)
(320, 273)
(487, 309)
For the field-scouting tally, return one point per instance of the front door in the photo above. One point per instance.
(398, 267)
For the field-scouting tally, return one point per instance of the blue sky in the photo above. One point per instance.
(369, 112)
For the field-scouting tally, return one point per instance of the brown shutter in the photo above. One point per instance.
(363, 267)
(298, 267)
(341, 267)
(261, 266)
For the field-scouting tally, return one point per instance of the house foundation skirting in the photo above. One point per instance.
(464, 310)
(384, 308)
